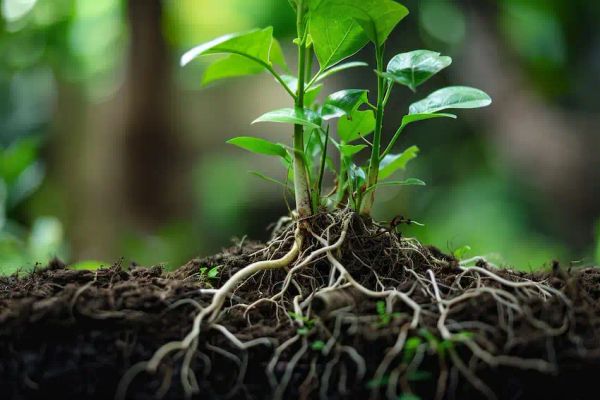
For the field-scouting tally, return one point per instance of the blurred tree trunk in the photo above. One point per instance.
(151, 150)
(119, 159)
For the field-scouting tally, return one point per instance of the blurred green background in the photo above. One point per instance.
(108, 149)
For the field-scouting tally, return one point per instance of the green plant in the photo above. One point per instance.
(332, 31)
(207, 273)
(385, 317)
(306, 324)
(460, 253)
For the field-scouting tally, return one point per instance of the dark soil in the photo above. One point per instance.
(73, 334)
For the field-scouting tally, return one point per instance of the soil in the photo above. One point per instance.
(74, 334)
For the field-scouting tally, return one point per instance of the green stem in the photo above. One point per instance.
(393, 141)
(309, 63)
(382, 98)
(322, 166)
(341, 179)
(301, 184)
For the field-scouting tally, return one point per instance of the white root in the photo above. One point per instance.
(441, 301)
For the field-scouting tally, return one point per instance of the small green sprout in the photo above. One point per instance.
(317, 345)
(408, 396)
(328, 32)
(385, 317)
(442, 346)
(460, 253)
(209, 273)
(306, 324)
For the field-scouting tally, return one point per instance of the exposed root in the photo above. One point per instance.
(327, 286)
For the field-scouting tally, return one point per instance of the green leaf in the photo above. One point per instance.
(260, 146)
(232, 66)
(361, 124)
(343, 103)
(451, 97)
(249, 53)
(276, 55)
(291, 116)
(380, 306)
(348, 150)
(405, 182)
(413, 343)
(213, 273)
(341, 67)
(255, 44)
(410, 118)
(336, 34)
(393, 162)
(269, 179)
(378, 18)
(461, 251)
(17, 158)
(408, 396)
(414, 68)
(340, 28)
(318, 345)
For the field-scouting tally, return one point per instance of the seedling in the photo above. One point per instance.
(207, 273)
(332, 31)
(317, 345)
(306, 324)
(460, 253)
(385, 317)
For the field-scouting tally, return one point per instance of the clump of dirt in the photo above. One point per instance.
(362, 313)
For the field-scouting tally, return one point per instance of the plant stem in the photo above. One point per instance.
(341, 180)
(318, 189)
(382, 97)
(301, 185)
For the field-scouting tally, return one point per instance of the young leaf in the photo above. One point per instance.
(255, 45)
(269, 179)
(414, 68)
(341, 67)
(276, 55)
(410, 118)
(405, 182)
(260, 146)
(213, 273)
(451, 97)
(232, 66)
(461, 251)
(336, 34)
(393, 162)
(348, 150)
(291, 116)
(378, 18)
(360, 124)
(340, 28)
(343, 102)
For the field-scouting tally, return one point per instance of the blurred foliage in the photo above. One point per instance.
(471, 199)
(21, 173)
